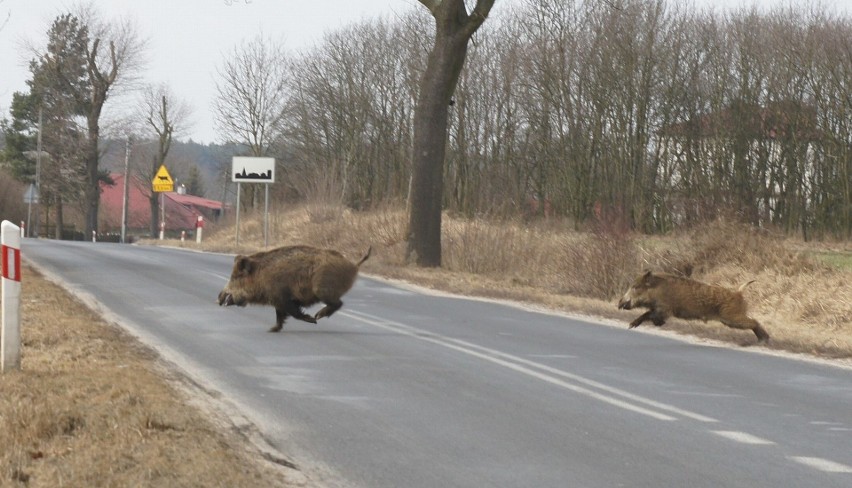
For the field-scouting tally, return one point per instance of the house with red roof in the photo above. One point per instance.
(181, 211)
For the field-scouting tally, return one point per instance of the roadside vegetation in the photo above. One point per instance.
(92, 407)
(802, 291)
(580, 153)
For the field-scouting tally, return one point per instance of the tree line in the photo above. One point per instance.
(656, 112)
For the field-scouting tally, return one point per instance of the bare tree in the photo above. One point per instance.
(107, 67)
(358, 146)
(252, 96)
(4, 19)
(166, 116)
(661, 114)
(454, 27)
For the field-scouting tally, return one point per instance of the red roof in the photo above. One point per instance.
(181, 211)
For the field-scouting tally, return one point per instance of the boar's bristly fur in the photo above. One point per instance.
(289, 279)
(666, 295)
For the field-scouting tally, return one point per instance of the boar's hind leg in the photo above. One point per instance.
(329, 309)
(748, 323)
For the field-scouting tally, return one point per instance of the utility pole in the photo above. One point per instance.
(33, 229)
(124, 195)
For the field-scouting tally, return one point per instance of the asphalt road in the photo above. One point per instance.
(402, 389)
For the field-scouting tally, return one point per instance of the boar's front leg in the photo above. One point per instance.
(291, 308)
(645, 316)
(294, 308)
(653, 315)
(280, 317)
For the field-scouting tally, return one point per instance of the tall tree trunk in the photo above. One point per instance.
(454, 27)
(93, 189)
(101, 84)
(154, 205)
(59, 219)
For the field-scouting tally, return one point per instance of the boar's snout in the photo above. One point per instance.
(626, 302)
(226, 299)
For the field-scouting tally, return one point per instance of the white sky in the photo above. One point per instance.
(188, 39)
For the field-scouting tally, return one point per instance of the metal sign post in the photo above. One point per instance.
(162, 183)
(238, 214)
(253, 170)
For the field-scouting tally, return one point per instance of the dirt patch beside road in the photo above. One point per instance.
(91, 406)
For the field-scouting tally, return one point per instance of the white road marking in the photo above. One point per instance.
(553, 356)
(215, 275)
(544, 373)
(822, 464)
(742, 437)
(606, 394)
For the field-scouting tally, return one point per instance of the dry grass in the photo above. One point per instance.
(91, 407)
(801, 294)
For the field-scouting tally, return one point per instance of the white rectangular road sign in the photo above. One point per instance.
(31, 194)
(253, 170)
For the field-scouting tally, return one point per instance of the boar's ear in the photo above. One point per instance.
(647, 275)
(244, 264)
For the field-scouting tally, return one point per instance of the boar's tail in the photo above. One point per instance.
(742, 287)
(366, 256)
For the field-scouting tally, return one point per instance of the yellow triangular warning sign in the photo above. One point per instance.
(163, 180)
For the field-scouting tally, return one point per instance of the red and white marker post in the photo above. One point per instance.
(199, 227)
(10, 288)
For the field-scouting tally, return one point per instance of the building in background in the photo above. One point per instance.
(181, 210)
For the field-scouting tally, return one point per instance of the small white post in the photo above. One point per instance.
(10, 261)
(182, 236)
(94, 236)
(199, 226)
(162, 230)
(23, 229)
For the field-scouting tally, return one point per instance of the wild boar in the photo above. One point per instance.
(666, 295)
(290, 278)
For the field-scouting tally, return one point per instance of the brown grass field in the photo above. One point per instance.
(93, 407)
(802, 292)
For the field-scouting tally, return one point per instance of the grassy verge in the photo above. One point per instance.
(92, 407)
(802, 291)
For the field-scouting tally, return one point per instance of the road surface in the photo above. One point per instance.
(403, 389)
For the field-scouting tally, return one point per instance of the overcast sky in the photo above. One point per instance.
(188, 39)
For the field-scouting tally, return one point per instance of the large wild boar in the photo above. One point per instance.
(666, 295)
(290, 278)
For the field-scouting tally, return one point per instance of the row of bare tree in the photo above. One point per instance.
(86, 60)
(655, 111)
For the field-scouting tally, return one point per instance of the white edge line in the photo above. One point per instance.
(742, 437)
(822, 464)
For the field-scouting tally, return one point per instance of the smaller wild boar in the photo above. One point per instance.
(290, 278)
(666, 295)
